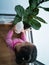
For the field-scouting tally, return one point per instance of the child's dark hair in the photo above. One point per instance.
(26, 54)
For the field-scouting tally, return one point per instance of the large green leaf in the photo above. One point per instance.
(35, 24)
(32, 11)
(20, 10)
(17, 19)
(40, 19)
(33, 3)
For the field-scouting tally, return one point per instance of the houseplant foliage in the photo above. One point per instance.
(29, 15)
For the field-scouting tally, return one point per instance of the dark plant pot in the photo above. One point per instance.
(26, 25)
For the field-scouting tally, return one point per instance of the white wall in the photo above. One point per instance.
(7, 6)
(40, 37)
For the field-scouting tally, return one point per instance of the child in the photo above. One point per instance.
(24, 51)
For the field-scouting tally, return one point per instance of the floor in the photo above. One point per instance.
(7, 56)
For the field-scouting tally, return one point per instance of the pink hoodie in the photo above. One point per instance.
(12, 42)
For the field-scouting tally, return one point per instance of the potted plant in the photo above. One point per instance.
(29, 15)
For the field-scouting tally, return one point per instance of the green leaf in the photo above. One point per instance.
(33, 3)
(29, 14)
(35, 24)
(32, 11)
(45, 0)
(25, 17)
(20, 10)
(17, 19)
(40, 19)
(35, 11)
(46, 9)
(42, 1)
(28, 10)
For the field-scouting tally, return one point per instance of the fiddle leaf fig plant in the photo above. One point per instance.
(29, 15)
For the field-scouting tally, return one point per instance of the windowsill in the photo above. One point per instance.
(6, 19)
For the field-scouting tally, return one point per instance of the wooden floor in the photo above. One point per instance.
(7, 55)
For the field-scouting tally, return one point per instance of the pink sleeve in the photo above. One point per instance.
(10, 33)
(23, 36)
(9, 38)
